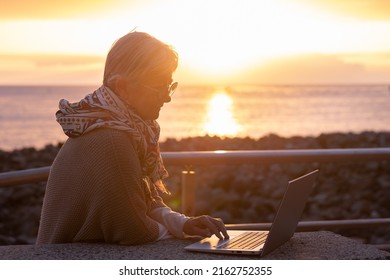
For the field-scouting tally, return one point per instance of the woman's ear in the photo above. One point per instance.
(120, 86)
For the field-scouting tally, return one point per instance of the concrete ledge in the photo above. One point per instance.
(320, 245)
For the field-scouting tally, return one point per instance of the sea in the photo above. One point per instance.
(27, 113)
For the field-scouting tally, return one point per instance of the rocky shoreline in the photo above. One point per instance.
(236, 193)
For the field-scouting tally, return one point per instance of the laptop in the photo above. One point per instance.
(254, 242)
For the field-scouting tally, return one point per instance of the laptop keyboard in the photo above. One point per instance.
(247, 240)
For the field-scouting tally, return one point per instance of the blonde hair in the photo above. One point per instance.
(139, 56)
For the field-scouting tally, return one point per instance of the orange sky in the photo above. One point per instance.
(219, 41)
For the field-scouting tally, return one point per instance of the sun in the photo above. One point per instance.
(220, 120)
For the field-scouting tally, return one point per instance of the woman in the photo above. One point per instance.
(105, 181)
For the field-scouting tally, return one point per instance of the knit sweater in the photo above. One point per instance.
(96, 193)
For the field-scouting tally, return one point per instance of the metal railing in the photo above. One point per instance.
(188, 159)
(227, 157)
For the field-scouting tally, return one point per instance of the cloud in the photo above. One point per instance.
(49, 9)
(50, 69)
(299, 69)
(354, 68)
(321, 69)
(364, 9)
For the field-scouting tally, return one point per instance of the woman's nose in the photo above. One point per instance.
(165, 98)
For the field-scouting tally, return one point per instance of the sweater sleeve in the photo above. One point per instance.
(172, 220)
(159, 211)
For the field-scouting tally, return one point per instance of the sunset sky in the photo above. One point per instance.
(218, 41)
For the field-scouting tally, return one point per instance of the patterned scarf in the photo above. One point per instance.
(103, 108)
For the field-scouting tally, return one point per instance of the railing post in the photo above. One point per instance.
(188, 186)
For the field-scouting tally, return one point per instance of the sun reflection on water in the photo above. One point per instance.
(220, 119)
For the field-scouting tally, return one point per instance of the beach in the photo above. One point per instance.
(236, 193)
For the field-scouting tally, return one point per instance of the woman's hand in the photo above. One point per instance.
(205, 226)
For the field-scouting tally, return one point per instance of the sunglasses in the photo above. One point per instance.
(170, 90)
